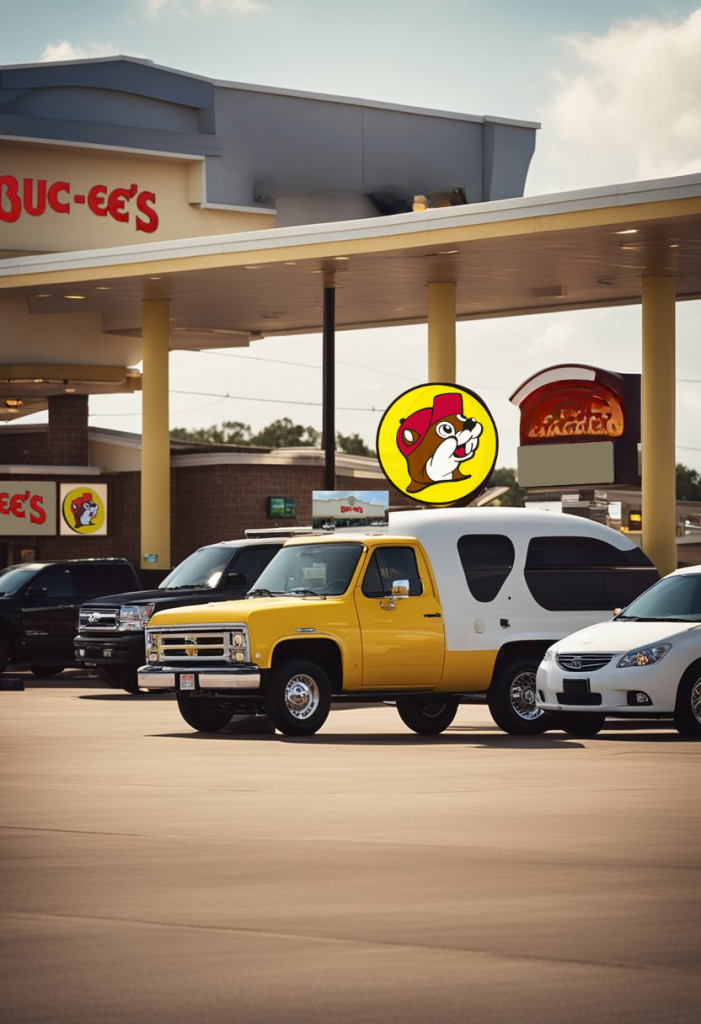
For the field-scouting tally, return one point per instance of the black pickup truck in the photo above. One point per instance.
(111, 629)
(39, 604)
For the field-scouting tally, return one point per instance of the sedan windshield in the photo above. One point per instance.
(202, 568)
(675, 597)
(309, 569)
(15, 576)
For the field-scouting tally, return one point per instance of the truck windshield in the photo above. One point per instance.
(310, 569)
(675, 597)
(202, 568)
(15, 576)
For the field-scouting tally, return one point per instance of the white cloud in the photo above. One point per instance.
(154, 8)
(64, 50)
(627, 107)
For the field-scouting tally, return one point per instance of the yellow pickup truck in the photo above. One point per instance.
(448, 606)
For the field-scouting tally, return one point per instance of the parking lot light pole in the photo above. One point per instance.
(658, 431)
(329, 384)
(155, 440)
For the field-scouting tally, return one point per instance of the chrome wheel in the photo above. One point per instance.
(696, 701)
(302, 697)
(522, 696)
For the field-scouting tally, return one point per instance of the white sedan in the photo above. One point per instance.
(647, 660)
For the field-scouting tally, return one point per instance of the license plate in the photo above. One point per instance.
(575, 687)
(108, 653)
(187, 681)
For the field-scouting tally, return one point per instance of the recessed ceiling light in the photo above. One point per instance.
(154, 279)
(253, 267)
(629, 231)
(341, 257)
(674, 245)
(69, 391)
(290, 263)
(74, 296)
(449, 252)
(44, 295)
(13, 403)
(102, 288)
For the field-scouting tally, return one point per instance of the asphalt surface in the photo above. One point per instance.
(367, 874)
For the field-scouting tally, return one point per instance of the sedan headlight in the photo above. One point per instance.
(548, 656)
(134, 616)
(644, 656)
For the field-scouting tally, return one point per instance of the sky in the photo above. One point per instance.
(616, 86)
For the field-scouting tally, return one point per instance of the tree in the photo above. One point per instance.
(352, 444)
(515, 496)
(230, 432)
(688, 484)
(286, 434)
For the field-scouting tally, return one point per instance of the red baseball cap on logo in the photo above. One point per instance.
(420, 421)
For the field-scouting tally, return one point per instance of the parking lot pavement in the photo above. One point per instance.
(365, 874)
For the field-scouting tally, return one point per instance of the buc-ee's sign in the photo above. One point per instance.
(32, 197)
(27, 508)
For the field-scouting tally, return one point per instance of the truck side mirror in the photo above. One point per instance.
(237, 580)
(400, 588)
(36, 592)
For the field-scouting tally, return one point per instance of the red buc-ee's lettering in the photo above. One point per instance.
(35, 196)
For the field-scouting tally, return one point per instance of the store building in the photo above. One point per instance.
(97, 155)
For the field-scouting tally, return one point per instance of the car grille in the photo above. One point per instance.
(193, 646)
(99, 620)
(583, 662)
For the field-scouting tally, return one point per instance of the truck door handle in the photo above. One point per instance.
(432, 615)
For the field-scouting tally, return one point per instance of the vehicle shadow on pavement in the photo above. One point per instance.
(463, 737)
(126, 696)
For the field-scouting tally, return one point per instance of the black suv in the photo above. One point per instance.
(111, 634)
(39, 604)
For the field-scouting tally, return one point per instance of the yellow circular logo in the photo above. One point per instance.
(83, 510)
(437, 443)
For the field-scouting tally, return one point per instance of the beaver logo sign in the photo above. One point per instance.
(437, 443)
(83, 509)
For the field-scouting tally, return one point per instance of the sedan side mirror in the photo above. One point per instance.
(237, 580)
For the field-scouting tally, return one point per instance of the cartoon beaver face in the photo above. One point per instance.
(84, 510)
(436, 441)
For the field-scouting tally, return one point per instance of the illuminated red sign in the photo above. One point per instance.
(571, 409)
(351, 508)
(33, 196)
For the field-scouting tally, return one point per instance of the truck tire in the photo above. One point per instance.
(429, 717)
(46, 671)
(687, 711)
(298, 698)
(580, 723)
(122, 679)
(203, 714)
(511, 699)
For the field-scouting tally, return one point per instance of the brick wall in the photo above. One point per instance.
(25, 449)
(67, 436)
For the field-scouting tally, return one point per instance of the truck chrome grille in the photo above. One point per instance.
(583, 662)
(99, 620)
(197, 645)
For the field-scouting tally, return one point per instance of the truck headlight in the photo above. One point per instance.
(134, 616)
(644, 656)
(152, 651)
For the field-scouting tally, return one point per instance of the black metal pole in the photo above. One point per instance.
(329, 390)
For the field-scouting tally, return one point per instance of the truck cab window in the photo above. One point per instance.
(386, 566)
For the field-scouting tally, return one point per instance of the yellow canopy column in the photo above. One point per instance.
(658, 429)
(441, 332)
(155, 443)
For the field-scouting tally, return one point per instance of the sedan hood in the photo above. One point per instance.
(622, 636)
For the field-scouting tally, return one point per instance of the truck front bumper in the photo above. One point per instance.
(243, 677)
(113, 651)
